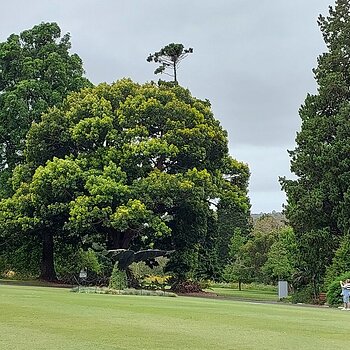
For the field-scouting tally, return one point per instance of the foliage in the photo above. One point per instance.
(281, 257)
(318, 199)
(141, 269)
(267, 254)
(303, 295)
(251, 294)
(20, 257)
(69, 261)
(340, 262)
(40, 207)
(253, 255)
(236, 243)
(118, 279)
(127, 291)
(169, 57)
(233, 225)
(155, 282)
(150, 276)
(126, 166)
(37, 72)
(237, 271)
(183, 264)
(334, 297)
(185, 287)
(310, 265)
(208, 266)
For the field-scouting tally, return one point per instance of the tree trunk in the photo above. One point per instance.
(120, 240)
(174, 67)
(239, 285)
(47, 268)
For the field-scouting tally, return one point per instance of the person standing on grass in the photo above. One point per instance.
(345, 292)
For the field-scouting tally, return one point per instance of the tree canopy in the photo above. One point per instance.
(36, 72)
(125, 165)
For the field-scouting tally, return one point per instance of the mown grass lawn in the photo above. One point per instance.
(51, 318)
(248, 294)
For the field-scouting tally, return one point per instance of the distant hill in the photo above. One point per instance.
(277, 215)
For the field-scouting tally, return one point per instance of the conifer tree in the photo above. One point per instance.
(318, 205)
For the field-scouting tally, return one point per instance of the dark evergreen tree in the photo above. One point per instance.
(318, 206)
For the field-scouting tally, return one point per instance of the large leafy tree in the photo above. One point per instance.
(39, 207)
(318, 200)
(281, 257)
(128, 166)
(37, 71)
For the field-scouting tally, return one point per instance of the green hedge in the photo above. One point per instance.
(334, 297)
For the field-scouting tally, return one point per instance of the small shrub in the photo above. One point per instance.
(304, 295)
(155, 282)
(118, 279)
(205, 284)
(185, 287)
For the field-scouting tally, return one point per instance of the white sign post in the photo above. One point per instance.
(83, 274)
(82, 277)
(282, 289)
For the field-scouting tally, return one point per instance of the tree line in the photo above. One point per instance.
(146, 166)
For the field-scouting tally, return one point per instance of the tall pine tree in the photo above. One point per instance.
(318, 205)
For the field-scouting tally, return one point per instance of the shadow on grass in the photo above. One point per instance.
(33, 283)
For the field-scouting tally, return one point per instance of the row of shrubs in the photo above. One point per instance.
(126, 291)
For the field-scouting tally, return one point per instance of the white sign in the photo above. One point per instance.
(83, 273)
(282, 289)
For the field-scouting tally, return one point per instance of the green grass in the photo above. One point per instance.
(247, 294)
(31, 282)
(51, 318)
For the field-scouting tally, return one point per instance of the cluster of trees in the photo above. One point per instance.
(139, 166)
(318, 206)
(124, 165)
(267, 254)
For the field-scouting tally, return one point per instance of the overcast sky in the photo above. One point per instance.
(252, 59)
